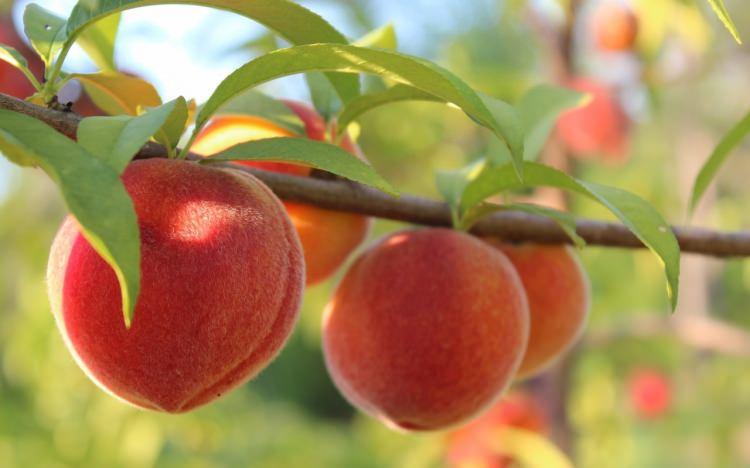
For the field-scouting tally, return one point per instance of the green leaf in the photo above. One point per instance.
(117, 93)
(400, 68)
(92, 190)
(115, 140)
(717, 158)
(98, 40)
(566, 221)
(368, 102)
(323, 96)
(170, 133)
(383, 37)
(258, 104)
(539, 109)
(13, 57)
(46, 32)
(451, 184)
(721, 11)
(292, 21)
(634, 212)
(317, 154)
(508, 120)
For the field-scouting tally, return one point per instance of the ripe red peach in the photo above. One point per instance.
(473, 445)
(328, 237)
(598, 128)
(557, 288)
(650, 393)
(222, 277)
(426, 329)
(614, 27)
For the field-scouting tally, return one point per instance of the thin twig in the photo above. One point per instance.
(352, 197)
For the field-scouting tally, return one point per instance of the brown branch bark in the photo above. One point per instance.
(352, 197)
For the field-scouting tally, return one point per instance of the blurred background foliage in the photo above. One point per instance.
(685, 86)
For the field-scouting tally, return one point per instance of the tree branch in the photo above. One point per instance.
(348, 196)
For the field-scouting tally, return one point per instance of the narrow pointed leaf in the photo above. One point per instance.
(174, 127)
(255, 103)
(98, 40)
(721, 12)
(720, 154)
(292, 21)
(317, 154)
(566, 221)
(115, 140)
(368, 102)
(92, 190)
(539, 109)
(400, 68)
(383, 37)
(45, 30)
(117, 93)
(634, 212)
(13, 57)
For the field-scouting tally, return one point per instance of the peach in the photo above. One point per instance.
(650, 393)
(600, 127)
(472, 445)
(426, 329)
(222, 279)
(559, 299)
(614, 27)
(328, 237)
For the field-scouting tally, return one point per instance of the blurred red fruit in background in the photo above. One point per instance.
(650, 393)
(614, 27)
(598, 128)
(471, 445)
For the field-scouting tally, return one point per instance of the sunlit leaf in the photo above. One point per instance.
(98, 40)
(312, 153)
(116, 140)
(174, 126)
(92, 190)
(400, 68)
(634, 212)
(13, 57)
(292, 21)
(117, 93)
(45, 30)
(721, 11)
(717, 158)
(368, 102)
(383, 37)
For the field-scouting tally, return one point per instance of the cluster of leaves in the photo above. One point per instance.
(87, 171)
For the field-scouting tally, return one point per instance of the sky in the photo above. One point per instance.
(188, 50)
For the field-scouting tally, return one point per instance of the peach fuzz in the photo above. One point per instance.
(426, 329)
(598, 128)
(614, 27)
(559, 299)
(222, 278)
(328, 237)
